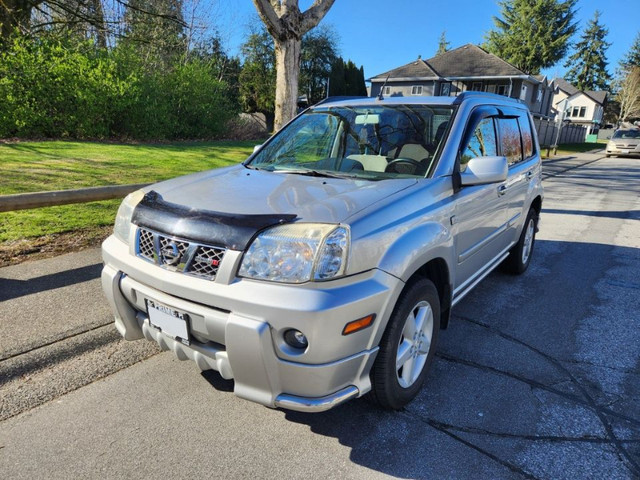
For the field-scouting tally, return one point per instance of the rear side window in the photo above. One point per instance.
(527, 136)
(481, 144)
(510, 144)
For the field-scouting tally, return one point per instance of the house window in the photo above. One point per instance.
(416, 90)
(523, 92)
(501, 90)
(575, 112)
(491, 88)
(387, 90)
(583, 111)
(476, 86)
(539, 95)
(445, 89)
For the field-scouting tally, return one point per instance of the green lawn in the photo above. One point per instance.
(569, 148)
(60, 165)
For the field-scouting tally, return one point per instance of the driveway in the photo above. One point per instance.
(537, 376)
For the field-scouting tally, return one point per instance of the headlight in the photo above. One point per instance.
(123, 217)
(297, 253)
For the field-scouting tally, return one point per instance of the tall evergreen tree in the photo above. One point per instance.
(532, 34)
(588, 64)
(632, 58)
(443, 44)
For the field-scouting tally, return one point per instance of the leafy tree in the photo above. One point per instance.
(319, 52)
(532, 34)
(443, 44)
(632, 58)
(157, 29)
(258, 75)
(588, 64)
(287, 24)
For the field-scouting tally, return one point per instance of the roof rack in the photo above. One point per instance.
(465, 95)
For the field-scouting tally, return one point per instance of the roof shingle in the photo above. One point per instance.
(471, 61)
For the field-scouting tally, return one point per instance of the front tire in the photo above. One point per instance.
(407, 346)
(520, 255)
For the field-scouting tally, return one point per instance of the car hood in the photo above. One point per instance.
(242, 191)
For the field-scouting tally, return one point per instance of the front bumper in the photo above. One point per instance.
(237, 327)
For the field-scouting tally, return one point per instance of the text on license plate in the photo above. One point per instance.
(170, 321)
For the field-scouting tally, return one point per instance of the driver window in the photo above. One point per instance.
(482, 143)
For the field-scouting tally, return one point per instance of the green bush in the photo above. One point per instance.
(52, 87)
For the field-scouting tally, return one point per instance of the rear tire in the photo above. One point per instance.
(407, 346)
(520, 255)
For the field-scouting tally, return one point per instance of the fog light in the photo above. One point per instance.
(296, 339)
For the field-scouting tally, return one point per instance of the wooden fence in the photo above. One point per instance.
(548, 131)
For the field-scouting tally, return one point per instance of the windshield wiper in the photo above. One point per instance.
(314, 173)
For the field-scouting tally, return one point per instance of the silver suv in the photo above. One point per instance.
(324, 267)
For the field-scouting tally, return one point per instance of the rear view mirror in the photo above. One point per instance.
(368, 119)
(482, 170)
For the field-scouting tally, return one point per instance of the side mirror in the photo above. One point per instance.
(484, 170)
(256, 148)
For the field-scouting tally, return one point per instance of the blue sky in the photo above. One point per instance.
(381, 35)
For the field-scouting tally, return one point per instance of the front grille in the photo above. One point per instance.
(179, 255)
(145, 244)
(206, 261)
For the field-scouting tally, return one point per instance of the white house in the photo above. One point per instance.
(581, 108)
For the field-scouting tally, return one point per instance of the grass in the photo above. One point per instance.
(569, 148)
(61, 165)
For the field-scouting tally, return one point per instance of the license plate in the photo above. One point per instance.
(169, 321)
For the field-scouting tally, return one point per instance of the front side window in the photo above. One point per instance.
(510, 140)
(371, 142)
(481, 144)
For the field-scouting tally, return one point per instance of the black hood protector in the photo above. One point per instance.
(212, 228)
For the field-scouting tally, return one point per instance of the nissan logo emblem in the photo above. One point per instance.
(170, 254)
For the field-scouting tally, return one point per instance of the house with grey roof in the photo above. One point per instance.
(465, 68)
(584, 108)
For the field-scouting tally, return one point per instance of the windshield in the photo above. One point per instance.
(626, 134)
(373, 142)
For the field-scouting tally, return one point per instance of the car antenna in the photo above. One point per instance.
(380, 97)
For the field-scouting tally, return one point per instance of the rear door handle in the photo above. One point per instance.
(502, 189)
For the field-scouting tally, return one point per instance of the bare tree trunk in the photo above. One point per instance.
(287, 24)
(288, 71)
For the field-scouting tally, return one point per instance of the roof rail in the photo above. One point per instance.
(465, 95)
(339, 98)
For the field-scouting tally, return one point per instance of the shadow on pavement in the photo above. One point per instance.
(10, 288)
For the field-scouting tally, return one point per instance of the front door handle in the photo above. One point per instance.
(529, 174)
(502, 189)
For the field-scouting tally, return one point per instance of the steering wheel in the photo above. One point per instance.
(391, 166)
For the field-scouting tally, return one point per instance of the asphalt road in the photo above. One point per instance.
(537, 376)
